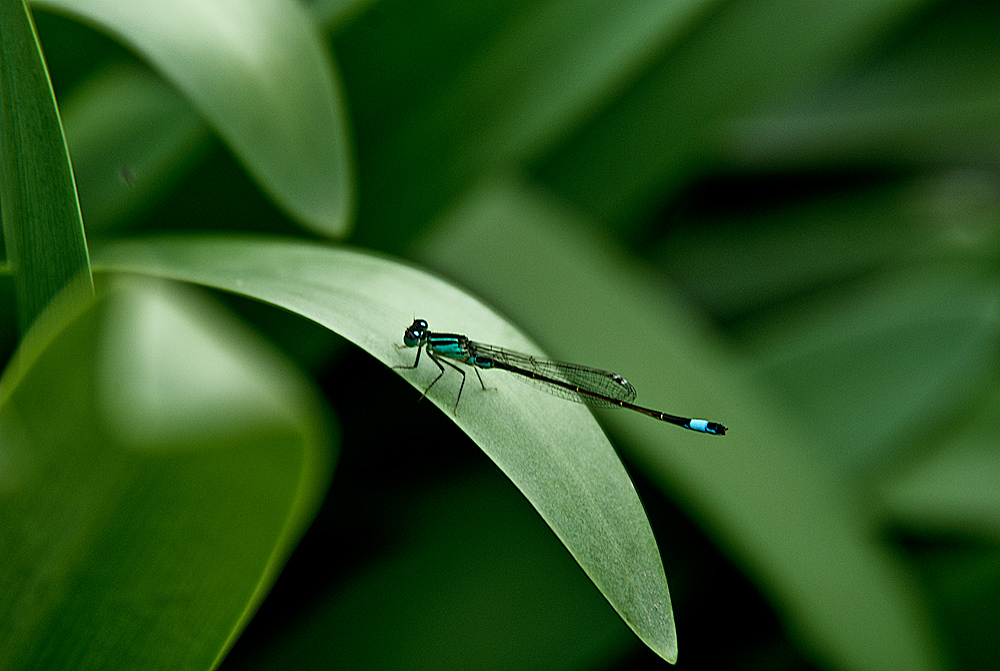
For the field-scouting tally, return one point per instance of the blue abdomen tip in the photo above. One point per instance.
(706, 426)
(699, 425)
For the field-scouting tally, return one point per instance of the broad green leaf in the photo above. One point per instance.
(258, 72)
(651, 141)
(553, 451)
(758, 490)
(469, 578)
(158, 463)
(43, 232)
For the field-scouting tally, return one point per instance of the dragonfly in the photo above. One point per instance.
(582, 384)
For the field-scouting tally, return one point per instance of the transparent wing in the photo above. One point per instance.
(605, 383)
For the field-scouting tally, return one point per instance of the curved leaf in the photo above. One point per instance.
(553, 451)
(157, 465)
(758, 490)
(258, 72)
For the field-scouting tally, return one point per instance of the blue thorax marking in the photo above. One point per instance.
(449, 345)
(457, 347)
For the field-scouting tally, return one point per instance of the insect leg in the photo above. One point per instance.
(437, 362)
(480, 378)
(416, 362)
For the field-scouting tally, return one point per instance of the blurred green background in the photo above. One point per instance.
(782, 215)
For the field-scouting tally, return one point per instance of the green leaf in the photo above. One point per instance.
(43, 232)
(929, 98)
(520, 91)
(334, 14)
(952, 491)
(816, 350)
(641, 149)
(159, 463)
(759, 491)
(740, 264)
(553, 451)
(264, 81)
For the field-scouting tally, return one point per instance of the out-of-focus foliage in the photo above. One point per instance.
(160, 462)
(782, 215)
(258, 73)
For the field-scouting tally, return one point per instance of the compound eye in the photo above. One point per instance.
(414, 334)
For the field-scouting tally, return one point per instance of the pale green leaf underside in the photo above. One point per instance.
(553, 451)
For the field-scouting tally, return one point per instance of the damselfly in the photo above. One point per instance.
(567, 380)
